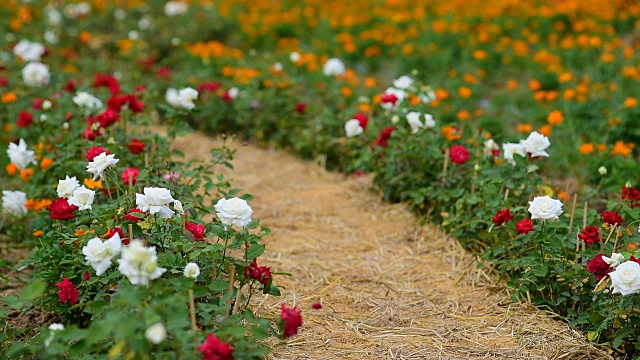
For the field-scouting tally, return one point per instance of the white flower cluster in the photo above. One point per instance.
(139, 263)
(534, 145)
(77, 195)
(84, 99)
(173, 8)
(353, 128)
(155, 201)
(414, 120)
(36, 74)
(28, 50)
(182, 98)
(400, 95)
(332, 67)
(99, 253)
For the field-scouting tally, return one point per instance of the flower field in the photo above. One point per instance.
(511, 125)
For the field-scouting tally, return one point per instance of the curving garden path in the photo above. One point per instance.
(389, 288)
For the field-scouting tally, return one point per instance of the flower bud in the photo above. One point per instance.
(46, 105)
(602, 170)
(395, 119)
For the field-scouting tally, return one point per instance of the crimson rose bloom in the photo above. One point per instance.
(301, 108)
(599, 267)
(388, 98)
(131, 217)
(458, 154)
(611, 217)
(135, 146)
(196, 229)
(383, 139)
(37, 104)
(214, 349)
(260, 273)
(292, 320)
(502, 216)
(25, 118)
(95, 151)
(60, 209)
(108, 118)
(209, 87)
(362, 119)
(117, 230)
(116, 103)
(524, 226)
(107, 81)
(130, 172)
(67, 292)
(632, 195)
(590, 234)
(316, 306)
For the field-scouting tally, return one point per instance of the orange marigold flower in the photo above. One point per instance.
(601, 147)
(555, 118)
(93, 184)
(512, 84)
(631, 246)
(464, 92)
(480, 54)
(534, 85)
(38, 233)
(370, 82)
(450, 133)
(45, 163)
(545, 130)
(620, 148)
(564, 196)
(587, 148)
(630, 102)
(11, 169)
(26, 174)
(442, 94)
(346, 91)
(8, 97)
(463, 115)
(524, 128)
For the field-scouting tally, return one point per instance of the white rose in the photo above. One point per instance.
(35, 74)
(536, 144)
(139, 264)
(234, 211)
(177, 206)
(29, 51)
(54, 18)
(172, 97)
(614, 260)
(353, 128)
(99, 254)
(186, 97)
(428, 121)
(20, 156)
(173, 8)
(192, 270)
(100, 163)
(510, 149)
(294, 57)
(84, 99)
(13, 202)
(155, 200)
(489, 146)
(156, 333)
(233, 92)
(403, 82)
(602, 170)
(625, 279)
(413, 118)
(545, 208)
(82, 198)
(333, 67)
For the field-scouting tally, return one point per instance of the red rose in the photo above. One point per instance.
(611, 217)
(24, 118)
(632, 195)
(3, 82)
(86, 276)
(95, 151)
(502, 216)
(130, 172)
(590, 234)
(60, 209)
(292, 320)
(385, 135)
(209, 87)
(164, 73)
(107, 118)
(316, 306)
(524, 226)
(196, 229)
(599, 267)
(67, 292)
(458, 154)
(226, 97)
(362, 119)
(71, 86)
(135, 146)
(214, 349)
(89, 134)
(260, 273)
(388, 98)
(301, 108)
(37, 104)
(107, 81)
(131, 217)
(116, 103)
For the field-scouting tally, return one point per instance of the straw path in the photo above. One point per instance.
(390, 289)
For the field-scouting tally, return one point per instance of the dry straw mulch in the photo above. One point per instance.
(390, 289)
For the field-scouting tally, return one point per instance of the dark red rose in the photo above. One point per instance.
(599, 267)
(209, 87)
(131, 217)
(590, 234)
(214, 349)
(524, 226)
(135, 146)
(495, 152)
(89, 134)
(502, 216)
(611, 217)
(632, 195)
(86, 276)
(385, 135)
(260, 273)
(116, 103)
(37, 104)
(196, 229)
(3, 81)
(458, 154)
(388, 98)
(25, 118)
(164, 73)
(67, 292)
(632, 258)
(292, 320)
(301, 108)
(130, 173)
(362, 119)
(227, 97)
(61, 210)
(107, 81)
(358, 173)
(316, 306)
(107, 118)
(71, 86)
(95, 151)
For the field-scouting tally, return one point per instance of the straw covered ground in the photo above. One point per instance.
(389, 288)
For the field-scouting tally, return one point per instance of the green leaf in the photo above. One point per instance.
(33, 290)
(219, 286)
(541, 271)
(254, 251)
(621, 334)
